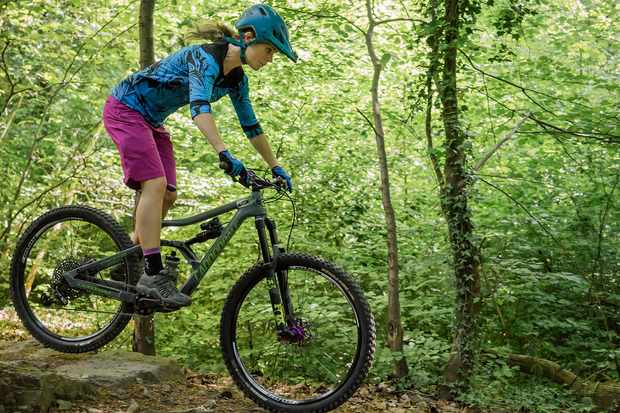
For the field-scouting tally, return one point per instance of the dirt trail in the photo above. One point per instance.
(37, 379)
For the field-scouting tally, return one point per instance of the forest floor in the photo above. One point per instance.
(200, 392)
(211, 393)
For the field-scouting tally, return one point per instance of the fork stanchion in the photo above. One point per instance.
(262, 238)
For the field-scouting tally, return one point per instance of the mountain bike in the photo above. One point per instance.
(296, 332)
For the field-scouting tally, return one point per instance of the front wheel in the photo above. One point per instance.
(313, 363)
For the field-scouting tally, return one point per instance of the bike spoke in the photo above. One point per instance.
(299, 369)
(80, 310)
(60, 248)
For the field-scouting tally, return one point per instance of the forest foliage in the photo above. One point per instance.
(538, 84)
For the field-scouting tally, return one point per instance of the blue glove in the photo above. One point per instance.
(279, 172)
(234, 166)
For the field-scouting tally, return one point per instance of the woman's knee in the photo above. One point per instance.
(155, 186)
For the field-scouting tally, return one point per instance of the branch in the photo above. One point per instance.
(399, 19)
(602, 219)
(369, 122)
(605, 138)
(520, 179)
(429, 144)
(42, 194)
(600, 137)
(8, 78)
(325, 16)
(520, 87)
(95, 53)
(505, 139)
(299, 111)
(83, 44)
(486, 92)
(429, 133)
(430, 76)
(4, 66)
(9, 122)
(520, 205)
(525, 90)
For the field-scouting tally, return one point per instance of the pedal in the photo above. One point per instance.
(147, 306)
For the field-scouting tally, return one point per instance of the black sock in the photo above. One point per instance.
(153, 264)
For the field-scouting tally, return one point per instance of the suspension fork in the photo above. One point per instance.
(278, 293)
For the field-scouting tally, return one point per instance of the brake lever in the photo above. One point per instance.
(245, 177)
(279, 183)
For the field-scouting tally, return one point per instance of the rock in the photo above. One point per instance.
(121, 368)
(405, 400)
(64, 404)
(199, 409)
(134, 407)
(33, 378)
(382, 388)
(363, 391)
(226, 394)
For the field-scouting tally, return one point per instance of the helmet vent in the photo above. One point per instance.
(278, 35)
(262, 11)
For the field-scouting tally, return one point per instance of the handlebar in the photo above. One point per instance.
(249, 179)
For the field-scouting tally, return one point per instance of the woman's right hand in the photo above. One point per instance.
(234, 167)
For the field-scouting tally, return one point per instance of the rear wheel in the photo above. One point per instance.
(57, 315)
(313, 363)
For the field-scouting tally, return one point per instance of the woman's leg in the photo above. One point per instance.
(156, 283)
(166, 154)
(169, 199)
(149, 213)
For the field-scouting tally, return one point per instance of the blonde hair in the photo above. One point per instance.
(211, 30)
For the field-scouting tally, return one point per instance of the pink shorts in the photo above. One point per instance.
(146, 152)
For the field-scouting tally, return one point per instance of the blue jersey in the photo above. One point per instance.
(191, 75)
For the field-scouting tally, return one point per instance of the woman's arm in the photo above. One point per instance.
(206, 124)
(262, 146)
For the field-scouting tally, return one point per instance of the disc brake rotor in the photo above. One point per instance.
(297, 333)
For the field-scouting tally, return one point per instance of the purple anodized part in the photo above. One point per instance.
(294, 334)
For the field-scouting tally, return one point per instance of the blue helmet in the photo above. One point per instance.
(268, 27)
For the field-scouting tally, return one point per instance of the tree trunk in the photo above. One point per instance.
(147, 48)
(144, 327)
(395, 329)
(605, 395)
(460, 228)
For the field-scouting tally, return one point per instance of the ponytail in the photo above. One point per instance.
(211, 31)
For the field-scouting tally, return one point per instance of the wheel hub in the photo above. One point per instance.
(297, 332)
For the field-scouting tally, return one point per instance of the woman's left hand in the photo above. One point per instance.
(279, 172)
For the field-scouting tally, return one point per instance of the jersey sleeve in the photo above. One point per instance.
(202, 72)
(240, 98)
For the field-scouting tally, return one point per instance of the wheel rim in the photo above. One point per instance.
(55, 248)
(290, 371)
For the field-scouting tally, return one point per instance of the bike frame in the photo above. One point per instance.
(83, 277)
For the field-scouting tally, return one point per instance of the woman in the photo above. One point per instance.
(198, 75)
